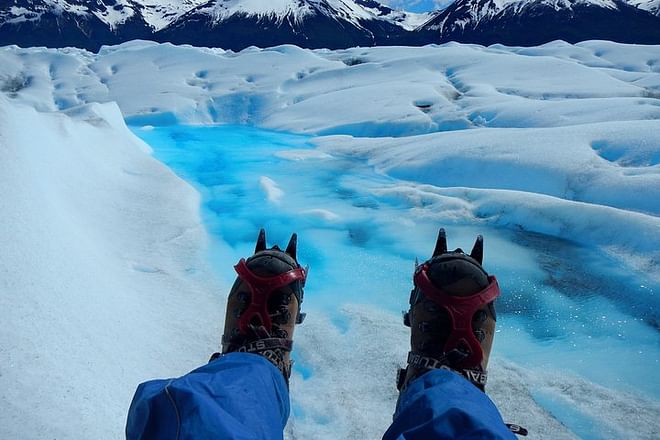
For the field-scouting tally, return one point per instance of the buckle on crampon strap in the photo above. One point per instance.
(461, 309)
(261, 288)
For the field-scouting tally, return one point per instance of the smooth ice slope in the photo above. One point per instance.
(106, 284)
(100, 260)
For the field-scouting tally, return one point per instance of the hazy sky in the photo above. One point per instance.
(417, 5)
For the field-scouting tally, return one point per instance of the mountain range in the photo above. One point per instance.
(333, 24)
(534, 22)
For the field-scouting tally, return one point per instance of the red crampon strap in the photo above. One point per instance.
(261, 288)
(461, 309)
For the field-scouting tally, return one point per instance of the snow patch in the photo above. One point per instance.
(297, 155)
(322, 214)
(273, 192)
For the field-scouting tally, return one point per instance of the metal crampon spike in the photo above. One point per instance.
(261, 241)
(291, 248)
(441, 243)
(478, 249)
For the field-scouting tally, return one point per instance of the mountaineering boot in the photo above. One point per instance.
(263, 306)
(452, 315)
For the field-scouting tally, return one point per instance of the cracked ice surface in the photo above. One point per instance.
(110, 278)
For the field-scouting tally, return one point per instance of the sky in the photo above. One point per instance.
(417, 5)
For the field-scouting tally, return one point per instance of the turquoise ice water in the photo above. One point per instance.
(564, 307)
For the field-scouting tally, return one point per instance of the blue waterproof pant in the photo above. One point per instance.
(243, 396)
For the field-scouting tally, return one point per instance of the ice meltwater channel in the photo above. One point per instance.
(566, 309)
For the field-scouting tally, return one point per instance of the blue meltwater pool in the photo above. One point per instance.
(564, 307)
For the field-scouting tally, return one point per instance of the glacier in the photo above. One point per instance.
(115, 272)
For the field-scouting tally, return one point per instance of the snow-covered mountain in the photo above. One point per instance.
(233, 24)
(653, 6)
(236, 24)
(113, 13)
(408, 20)
(82, 23)
(531, 22)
